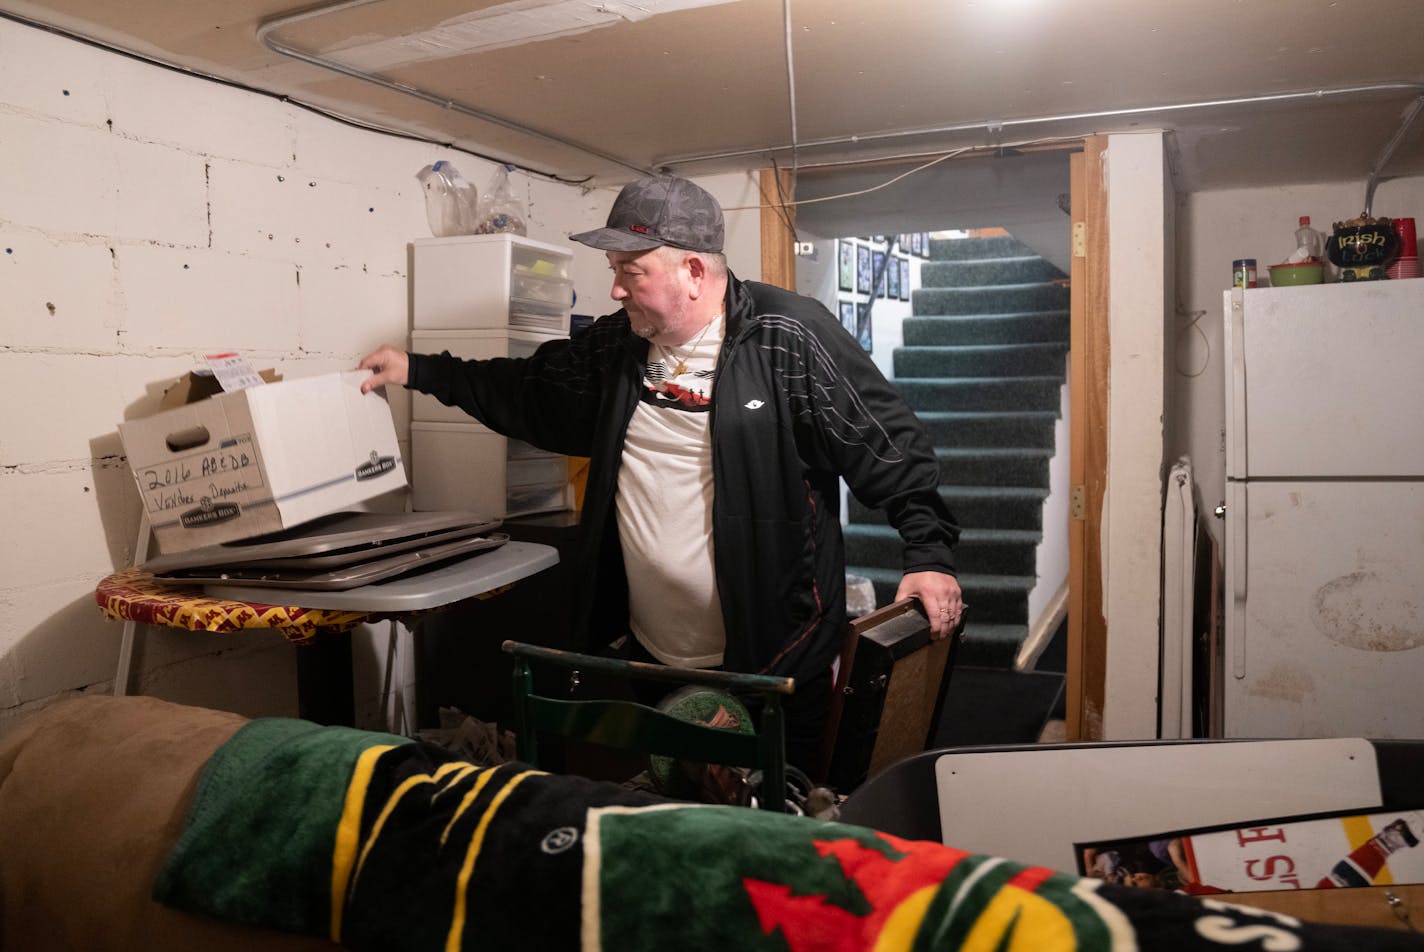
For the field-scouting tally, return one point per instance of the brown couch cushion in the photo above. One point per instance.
(93, 793)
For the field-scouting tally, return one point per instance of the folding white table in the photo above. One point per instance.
(319, 623)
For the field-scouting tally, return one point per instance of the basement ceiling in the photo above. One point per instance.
(1253, 92)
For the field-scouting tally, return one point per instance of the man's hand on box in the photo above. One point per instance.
(388, 365)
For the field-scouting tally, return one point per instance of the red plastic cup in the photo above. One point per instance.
(1403, 267)
(1408, 241)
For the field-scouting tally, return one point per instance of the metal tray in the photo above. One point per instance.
(346, 576)
(342, 538)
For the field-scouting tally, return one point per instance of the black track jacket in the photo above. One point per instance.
(796, 404)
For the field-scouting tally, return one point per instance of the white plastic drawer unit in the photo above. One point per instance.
(467, 466)
(490, 281)
(527, 500)
(518, 449)
(540, 302)
(537, 471)
(458, 466)
(482, 297)
(467, 344)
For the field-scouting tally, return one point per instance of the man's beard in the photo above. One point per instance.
(648, 328)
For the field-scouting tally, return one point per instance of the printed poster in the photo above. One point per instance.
(1360, 849)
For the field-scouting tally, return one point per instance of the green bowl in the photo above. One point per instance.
(1290, 275)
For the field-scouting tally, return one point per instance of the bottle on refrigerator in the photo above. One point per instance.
(1309, 243)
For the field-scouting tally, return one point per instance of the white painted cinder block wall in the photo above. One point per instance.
(148, 217)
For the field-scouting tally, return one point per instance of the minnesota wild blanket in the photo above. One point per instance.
(382, 843)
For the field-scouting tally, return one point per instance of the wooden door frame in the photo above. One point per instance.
(778, 221)
(1089, 352)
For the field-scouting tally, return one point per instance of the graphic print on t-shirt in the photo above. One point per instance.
(690, 391)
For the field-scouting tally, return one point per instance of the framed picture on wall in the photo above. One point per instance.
(904, 279)
(862, 269)
(917, 243)
(862, 326)
(877, 263)
(847, 316)
(892, 278)
(847, 264)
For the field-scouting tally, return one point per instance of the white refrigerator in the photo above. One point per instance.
(1324, 531)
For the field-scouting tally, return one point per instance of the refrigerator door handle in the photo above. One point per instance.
(1236, 565)
(1236, 383)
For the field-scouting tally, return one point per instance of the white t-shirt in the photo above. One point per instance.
(664, 504)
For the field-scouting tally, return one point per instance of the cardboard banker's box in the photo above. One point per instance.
(265, 458)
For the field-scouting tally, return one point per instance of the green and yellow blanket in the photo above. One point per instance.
(382, 843)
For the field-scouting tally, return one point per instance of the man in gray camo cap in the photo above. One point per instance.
(660, 210)
(713, 538)
(654, 222)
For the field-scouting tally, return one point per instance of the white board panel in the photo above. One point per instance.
(1032, 806)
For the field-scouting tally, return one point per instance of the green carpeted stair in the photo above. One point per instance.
(983, 363)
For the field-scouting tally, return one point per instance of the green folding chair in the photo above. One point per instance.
(626, 725)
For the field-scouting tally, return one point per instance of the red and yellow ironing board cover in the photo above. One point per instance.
(133, 595)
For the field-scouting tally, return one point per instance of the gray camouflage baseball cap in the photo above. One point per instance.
(659, 210)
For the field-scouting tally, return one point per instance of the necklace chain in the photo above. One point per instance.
(681, 367)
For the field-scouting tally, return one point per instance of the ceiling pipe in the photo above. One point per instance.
(273, 24)
(268, 27)
(996, 126)
(1410, 115)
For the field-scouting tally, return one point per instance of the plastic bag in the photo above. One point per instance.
(451, 202)
(860, 595)
(500, 211)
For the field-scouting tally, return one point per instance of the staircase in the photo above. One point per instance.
(982, 365)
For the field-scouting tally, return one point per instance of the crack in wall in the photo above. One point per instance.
(61, 467)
